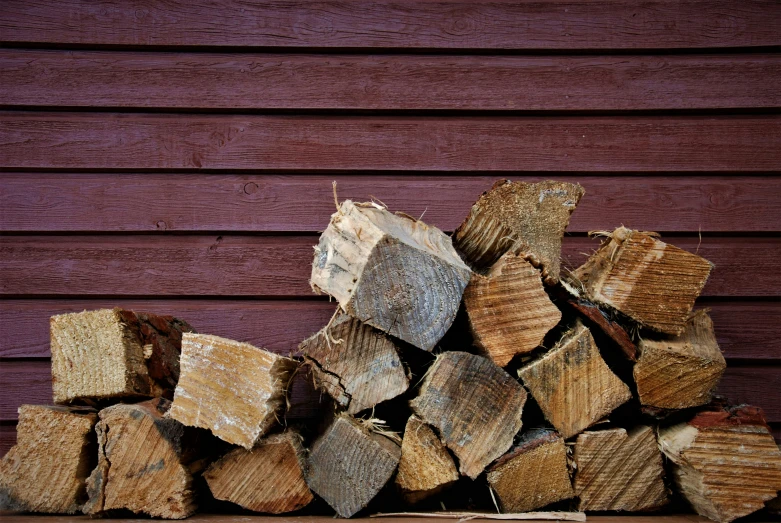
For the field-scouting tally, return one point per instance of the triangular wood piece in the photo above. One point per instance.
(426, 467)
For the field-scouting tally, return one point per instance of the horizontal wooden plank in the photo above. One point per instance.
(404, 24)
(280, 325)
(7, 438)
(278, 81)
(135, 202)
(582, 144)
(259, 266)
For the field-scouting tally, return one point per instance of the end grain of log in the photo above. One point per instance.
(426, 467)
(725, 462)
(572, 384)
(269, 478)
(681, 371)
(393, 272)
(474, 405)
(349, 464)
(355, 364)
(533, 474)
(508, 309)
(522, 218)
(616, 469)
(114, 354)
(234, 389)
(47, 468)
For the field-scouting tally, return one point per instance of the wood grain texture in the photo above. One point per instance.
(402, 24)
(426, 468)
(135, 202)
(577, 144)
(279, 266)
(283, 81)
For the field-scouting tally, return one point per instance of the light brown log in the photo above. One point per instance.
(681, 371)
(474, 405)
(268, 478)
(572, 384)
(508, 309)
(114, 354)
(533, 474)
(145, 462)
(725, 461)
(234, 389)
(616, 469)
(523, 218)
(426, 467)
(46, 470)
(349, 464)
(393, 272)
(652, 282)
(355, 364)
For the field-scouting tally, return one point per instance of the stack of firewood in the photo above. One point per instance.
(459, 370)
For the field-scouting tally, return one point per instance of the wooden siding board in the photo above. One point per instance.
(736, 143)
(93, 79)
(401, 24)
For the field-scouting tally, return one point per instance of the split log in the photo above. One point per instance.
(681, 371)
(522, 218)
(46, 470)
(145, 462)
(234, 389)
(349, 464)
(651, 282)
(619, 470)
(426, 467)
(611, 328)
(269, 478)
(114, 354)
(725, 461)
(355, 364)
(572, 384)
(533, 474)
(474, 404)
(509, 311)
(393, 272)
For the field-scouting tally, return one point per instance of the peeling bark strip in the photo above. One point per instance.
(426, 467)
(474, 405)
(523, 218)
(393, 272)
(269, 478)
(572, 383)
(725, 462)
(355, 364)
(508, 310)
(533, 474)
(142, 463)
(349, 464)
(682, 371)
(594, 315)
(114, 353)
(652, 282)
(46, 470)
(234, 389)
(617, 469)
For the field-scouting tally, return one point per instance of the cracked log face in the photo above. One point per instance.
(397, 274)
(114, 353)
(349, 464)
(528, 219)
(572, 384)
(234, 389)
(681, 371)
(46, 470)
(651, 282)
(355, 364)
(474, 405)
(509, 311)
(725, 461)
(426, 467)
(616, 469)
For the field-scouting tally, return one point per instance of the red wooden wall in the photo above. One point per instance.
(177, 155)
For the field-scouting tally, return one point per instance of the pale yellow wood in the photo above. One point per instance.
(426, 467)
